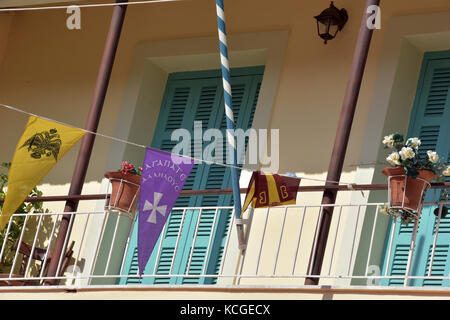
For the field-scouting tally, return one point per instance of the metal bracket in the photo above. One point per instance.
(243, 238)
(241, 221)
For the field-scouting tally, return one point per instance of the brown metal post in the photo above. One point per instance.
(87, 142)
(341, 141)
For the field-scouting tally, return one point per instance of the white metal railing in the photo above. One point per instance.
(280, 241)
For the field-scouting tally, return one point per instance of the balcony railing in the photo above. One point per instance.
(280, 240)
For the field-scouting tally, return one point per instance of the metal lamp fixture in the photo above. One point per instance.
(330, 21)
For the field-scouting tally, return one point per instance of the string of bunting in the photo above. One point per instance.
(349, 185)
(45, 141)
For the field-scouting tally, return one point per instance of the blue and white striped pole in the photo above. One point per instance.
(231, 142)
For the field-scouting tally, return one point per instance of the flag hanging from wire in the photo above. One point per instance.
(42, 145)
(163, 178)
(270, 190)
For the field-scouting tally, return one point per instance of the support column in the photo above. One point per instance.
(341, 141)
(87, 142)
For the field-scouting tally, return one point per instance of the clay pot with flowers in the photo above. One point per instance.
(410, 176)
(125, 184)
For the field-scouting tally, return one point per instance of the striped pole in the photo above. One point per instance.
(231, 142)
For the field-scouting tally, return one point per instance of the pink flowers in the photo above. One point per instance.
(129, 168)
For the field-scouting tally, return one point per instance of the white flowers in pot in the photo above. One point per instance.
(394, 159)
(432, 156)
(405, 203)
(407, 155)
(446, 172)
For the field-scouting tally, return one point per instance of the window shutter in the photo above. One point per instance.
(440, 266)
(186, 100)
(245, 95)
(430, 121)
(399, 263)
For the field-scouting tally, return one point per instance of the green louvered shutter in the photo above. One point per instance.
(430, 121)
(190, 97)
(245, 91)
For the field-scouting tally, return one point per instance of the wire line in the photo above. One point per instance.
(94, 5)
(350, 185)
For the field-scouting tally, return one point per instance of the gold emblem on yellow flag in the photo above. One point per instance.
(41, 146)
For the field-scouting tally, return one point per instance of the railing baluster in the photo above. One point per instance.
(97, 246)
(435, 240)
(227, 242)
(353, 242)
(61, 258)
(316, 240)
(210, 240)
(262, 240)
(334, 240)
(18, 245)
(298, 240)
(116, 227)
(5, 240)
(191, 255)
(391, 243)
(411, 250)
(372, 236)
(176, 244)
(279, 241)
(34, 244)
(44, 263)
(127, 244)
(75, 264)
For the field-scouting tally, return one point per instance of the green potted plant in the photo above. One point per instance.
(125, 184)
(410, 175)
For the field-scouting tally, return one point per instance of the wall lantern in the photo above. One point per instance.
(330, 21)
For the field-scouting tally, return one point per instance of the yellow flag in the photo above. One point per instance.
(42, 144)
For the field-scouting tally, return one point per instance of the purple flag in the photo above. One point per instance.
(163, 177)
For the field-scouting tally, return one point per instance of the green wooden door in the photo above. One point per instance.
(430, 121)
(187, 243)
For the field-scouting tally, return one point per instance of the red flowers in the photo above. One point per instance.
(129, 168)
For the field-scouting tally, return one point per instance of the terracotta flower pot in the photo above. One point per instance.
(125, 190)
(405, 192)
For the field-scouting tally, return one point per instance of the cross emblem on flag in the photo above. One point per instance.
(154, 207)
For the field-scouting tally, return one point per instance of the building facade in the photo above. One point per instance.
(166, 76)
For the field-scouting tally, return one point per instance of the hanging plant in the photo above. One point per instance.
(125, 184)
(410, 175)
